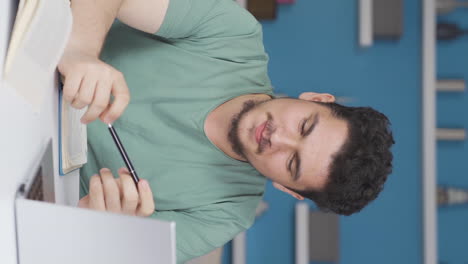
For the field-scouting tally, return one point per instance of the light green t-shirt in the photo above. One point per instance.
(205, 53)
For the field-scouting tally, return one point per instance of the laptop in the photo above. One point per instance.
(56, 234)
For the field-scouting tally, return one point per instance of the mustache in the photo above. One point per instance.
(269, 130)
(233, 137)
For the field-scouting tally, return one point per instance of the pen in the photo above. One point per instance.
(123, 153)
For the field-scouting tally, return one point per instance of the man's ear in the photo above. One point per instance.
(317, 97)
(286, 190)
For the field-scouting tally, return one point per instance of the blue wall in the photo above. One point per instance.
(453, 156)
(313, 47)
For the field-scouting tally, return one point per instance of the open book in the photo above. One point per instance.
(38, 39)
(73, 146)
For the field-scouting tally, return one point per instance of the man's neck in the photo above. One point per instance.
(218, 122)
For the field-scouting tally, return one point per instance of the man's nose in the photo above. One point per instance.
(283, 139)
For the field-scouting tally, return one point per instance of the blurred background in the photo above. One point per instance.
(315, 46)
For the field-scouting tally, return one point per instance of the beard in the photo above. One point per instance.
(233, 134)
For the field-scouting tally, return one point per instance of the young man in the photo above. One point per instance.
(202, 128)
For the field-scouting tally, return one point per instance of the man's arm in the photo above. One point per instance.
(91, 22)
(144, 15)
(88, 80)
(93, 19)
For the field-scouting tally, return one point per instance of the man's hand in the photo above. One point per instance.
(90, 81)
(118, 195)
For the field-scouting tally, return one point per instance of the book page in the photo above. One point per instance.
(35, 50)
(76, 138)
(73, 137)
(24, 15)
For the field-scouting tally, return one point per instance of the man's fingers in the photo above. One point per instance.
(146, 207)
(96, 194)
(84, 202)
(100, 102)
(111, 191)
(71, 86)
(130, 196)
(85, 93)
(121, 100)
(119, 195)
(86, 79)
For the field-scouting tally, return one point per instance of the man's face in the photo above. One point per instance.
(290, 141)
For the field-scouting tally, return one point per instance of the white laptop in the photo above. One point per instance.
(56, 234)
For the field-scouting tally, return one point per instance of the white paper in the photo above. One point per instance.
(32, 59)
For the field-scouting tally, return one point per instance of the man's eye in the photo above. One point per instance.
(290, 163)
(303, 126)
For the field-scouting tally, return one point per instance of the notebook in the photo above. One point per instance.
(73, 148)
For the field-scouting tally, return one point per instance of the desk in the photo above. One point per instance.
(23, 135)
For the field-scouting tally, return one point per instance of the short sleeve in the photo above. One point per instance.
(204, 19)
(219, 29)
(201, 230)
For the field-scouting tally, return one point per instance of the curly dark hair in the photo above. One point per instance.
(360, 168)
